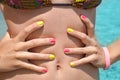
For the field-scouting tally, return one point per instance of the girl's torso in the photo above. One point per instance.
(56, 21)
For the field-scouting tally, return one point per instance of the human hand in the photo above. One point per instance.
(93, 52)
(14, 54)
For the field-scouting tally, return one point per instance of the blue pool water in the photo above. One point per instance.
(107, 30)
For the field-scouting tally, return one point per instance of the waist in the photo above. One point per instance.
(65, 72)
(58, 69)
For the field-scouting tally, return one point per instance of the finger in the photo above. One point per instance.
(86, 50)
(26, 31)
(32, 67)
(89, 25)
(34, 56)
(34, 43)
(85, 60)
(82, 36)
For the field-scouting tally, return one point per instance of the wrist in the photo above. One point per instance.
(107, 57)
(114, 53)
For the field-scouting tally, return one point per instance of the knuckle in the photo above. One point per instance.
(17, 46)
(35, 56)
(26, 31)
(82, 49)
(94, 43)
(95, 58)
(84, 61)
(44, 56)
(94, 49)
(91, 26)
(40, 41)
(33, 26)
(17, 55)
(83, 36)
(43, 41)
(34, 42)
(48, 40)
(87, 21)
(17, 64)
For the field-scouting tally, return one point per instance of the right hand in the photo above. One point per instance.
(14, 54)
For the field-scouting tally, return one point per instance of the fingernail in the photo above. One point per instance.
(83, 17)
(66, 50)
(72, 64)
(70, 30)
(79, 0)
(40, 23)
(44, 70)
(52, 56)
(52, 41)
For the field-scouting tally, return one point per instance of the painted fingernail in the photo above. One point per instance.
(44, 70)
(66, 50)
(83, 17)
(52, 56)
(40, 23)
(72, 64)
(52, 41)
(70, 30)
(79, 0)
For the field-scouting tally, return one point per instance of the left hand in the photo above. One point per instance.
(94, 53)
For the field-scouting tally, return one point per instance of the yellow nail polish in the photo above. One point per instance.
(72, 64)
(79, 0)
(52, 56)
(40, 23)
(70, 30)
